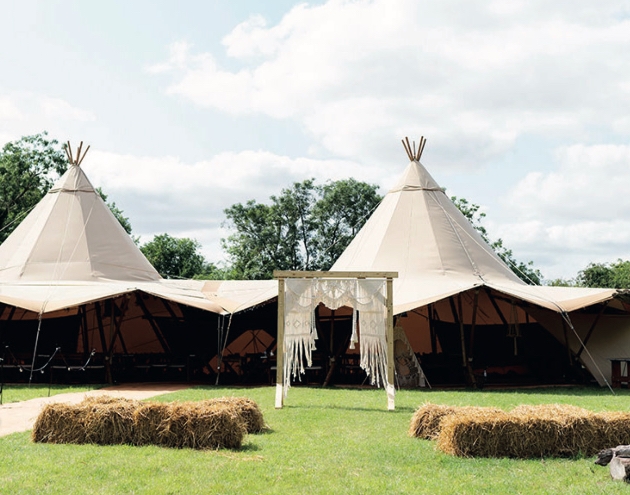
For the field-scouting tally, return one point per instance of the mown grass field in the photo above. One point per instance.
(324, 441)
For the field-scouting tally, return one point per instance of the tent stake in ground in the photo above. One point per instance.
(369, 292)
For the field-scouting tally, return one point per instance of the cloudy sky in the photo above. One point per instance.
(192, 106)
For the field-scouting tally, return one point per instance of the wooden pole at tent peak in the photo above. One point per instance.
(79, 158)
(414, 153)
(280, 347)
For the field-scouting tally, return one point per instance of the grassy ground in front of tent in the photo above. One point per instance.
(18, 392)
(324, 441)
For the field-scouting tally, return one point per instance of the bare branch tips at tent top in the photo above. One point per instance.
(413, 153)
(79, 158)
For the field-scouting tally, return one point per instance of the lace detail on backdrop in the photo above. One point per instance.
(302, 296)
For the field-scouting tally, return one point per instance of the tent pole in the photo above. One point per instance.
(280, 346)
(590, 330)
(457, 321)
(153, 323)
(496, 308)
(462, 334)
(472, 325)
(566, 341)
(169, 309)
(391, 391)
(432, 330)
(116, 332)
(84, 329)
(101, 329)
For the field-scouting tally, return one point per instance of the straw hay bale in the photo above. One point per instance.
(551, 410)
(109, 421)
(59, 423)
(102, 420)
(106, 421)
(199, 425)
(148, 419)
(532, 432)
(426, 421)
(614, 429)
(247, 409)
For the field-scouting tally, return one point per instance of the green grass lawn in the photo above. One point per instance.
(22, 391)
(324, 441)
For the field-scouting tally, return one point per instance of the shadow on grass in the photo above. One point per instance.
(543, 390)
(398, 410)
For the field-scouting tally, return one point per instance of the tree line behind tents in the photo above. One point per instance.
(306, 227)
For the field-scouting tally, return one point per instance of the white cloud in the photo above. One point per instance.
(166, 194)
(353, 73)
(25, 112)
(575, 214)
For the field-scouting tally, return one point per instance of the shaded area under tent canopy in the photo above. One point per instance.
(453, 287)
(441, 259)
(71, 275)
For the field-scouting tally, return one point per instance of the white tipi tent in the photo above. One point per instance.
(70, 257)
(448, 272)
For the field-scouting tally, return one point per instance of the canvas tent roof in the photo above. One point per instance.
(71, 250)
(419, 232)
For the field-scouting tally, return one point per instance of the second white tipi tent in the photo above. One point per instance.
(449, 274)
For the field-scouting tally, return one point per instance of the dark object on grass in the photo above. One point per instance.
(605, 456)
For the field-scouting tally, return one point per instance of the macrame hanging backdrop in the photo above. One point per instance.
(296, 315)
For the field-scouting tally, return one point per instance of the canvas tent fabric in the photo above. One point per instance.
(240, 295)
(419, 232)
(71, 250)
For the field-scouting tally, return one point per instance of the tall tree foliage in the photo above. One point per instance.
(523, 270)
(306, 227)
(606, 275)
(28, 167)
(176, 257)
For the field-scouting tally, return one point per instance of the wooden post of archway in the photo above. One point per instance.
(282, 275)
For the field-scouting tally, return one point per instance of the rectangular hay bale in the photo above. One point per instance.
(427, 420)
(532, 432)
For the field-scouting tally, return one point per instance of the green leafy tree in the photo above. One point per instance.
(28, 168)
(306, 227)
(176, 257)
(606, 275)
(523, 270)
(561, 282)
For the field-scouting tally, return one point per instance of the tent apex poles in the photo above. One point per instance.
(414, 153)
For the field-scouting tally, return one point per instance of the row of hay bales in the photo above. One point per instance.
(550, 430)
(209, 424)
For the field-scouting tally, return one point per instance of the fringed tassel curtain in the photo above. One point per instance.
(302, 296)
